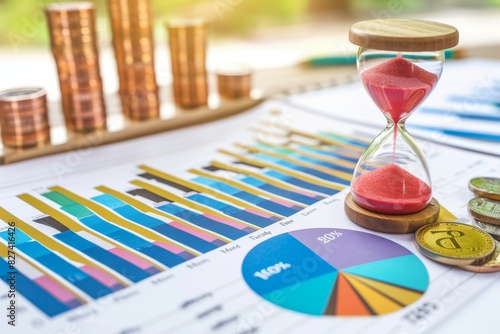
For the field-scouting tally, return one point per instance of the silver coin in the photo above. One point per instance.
(494, 230)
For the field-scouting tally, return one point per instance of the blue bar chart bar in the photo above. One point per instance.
(168, 230)
(285, 210)
(91, 281)
(88, 218)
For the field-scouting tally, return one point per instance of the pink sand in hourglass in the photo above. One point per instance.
(391, 189)
(397, 86)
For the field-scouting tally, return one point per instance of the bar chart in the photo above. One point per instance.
(74, 249)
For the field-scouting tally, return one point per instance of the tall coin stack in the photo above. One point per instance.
(23, 117)
(188, 44)
(73, 43)
(133, 43)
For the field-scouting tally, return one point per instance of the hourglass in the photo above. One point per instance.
(399, 63)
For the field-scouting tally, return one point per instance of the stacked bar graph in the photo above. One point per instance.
(74, 248)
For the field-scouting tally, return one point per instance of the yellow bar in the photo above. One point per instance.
(327, 148)
(244, 187)
(285, 140)
(263, 177)
(76, 227)
(191, 204)
(337, 161)
(331, 171)
(57, 246)
(316, 137)
(146, 208)
(207, 190)
(112, 217)
(284, 170)
(4, 251)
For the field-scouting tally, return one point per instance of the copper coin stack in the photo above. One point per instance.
(23, 117)
(133, 43)
(234, 81)
(188, 44)
(74, 45)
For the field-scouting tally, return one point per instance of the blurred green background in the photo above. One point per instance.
(22, 22)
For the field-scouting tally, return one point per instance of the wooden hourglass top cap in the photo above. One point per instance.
(403, 35)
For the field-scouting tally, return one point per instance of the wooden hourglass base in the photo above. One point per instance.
(390, 223)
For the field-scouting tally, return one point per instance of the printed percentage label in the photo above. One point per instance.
(327, 237)
(272, 270)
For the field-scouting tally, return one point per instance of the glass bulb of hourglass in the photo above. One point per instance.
(392, 175)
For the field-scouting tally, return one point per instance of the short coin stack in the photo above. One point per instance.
(234, 81)
(485, 208)
(473, 247)
(188, 44)
(23, 117)
(133, 43)
(74, 46)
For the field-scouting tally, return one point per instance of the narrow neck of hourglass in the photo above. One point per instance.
(399, 121)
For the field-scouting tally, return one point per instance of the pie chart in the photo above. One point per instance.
(332, 271)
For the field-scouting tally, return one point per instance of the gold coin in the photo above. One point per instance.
(454, 243)
(490, 266)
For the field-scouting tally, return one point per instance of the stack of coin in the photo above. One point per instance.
(188, 44)
(132, 28)
(73, 43)
(458, 244)
(234, 81)
(485, 208)
(486, 214)
(23, 117)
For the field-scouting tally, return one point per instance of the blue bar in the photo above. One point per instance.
(328, 153)
(301, 157)
(235, 212)
(459, 133)
(203, 222)
(127, 269)
(300, 183)
(130, 213)
(281, 191)
(343, 139)
(462, 114)
(475, 100)
(57, 264)
(89, 218)
(133, 241)
(42, 299)
(74, 275)
(326, 164)
(254, 199)
(311, 171)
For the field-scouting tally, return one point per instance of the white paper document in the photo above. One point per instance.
(462, 111)
(236, 226)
